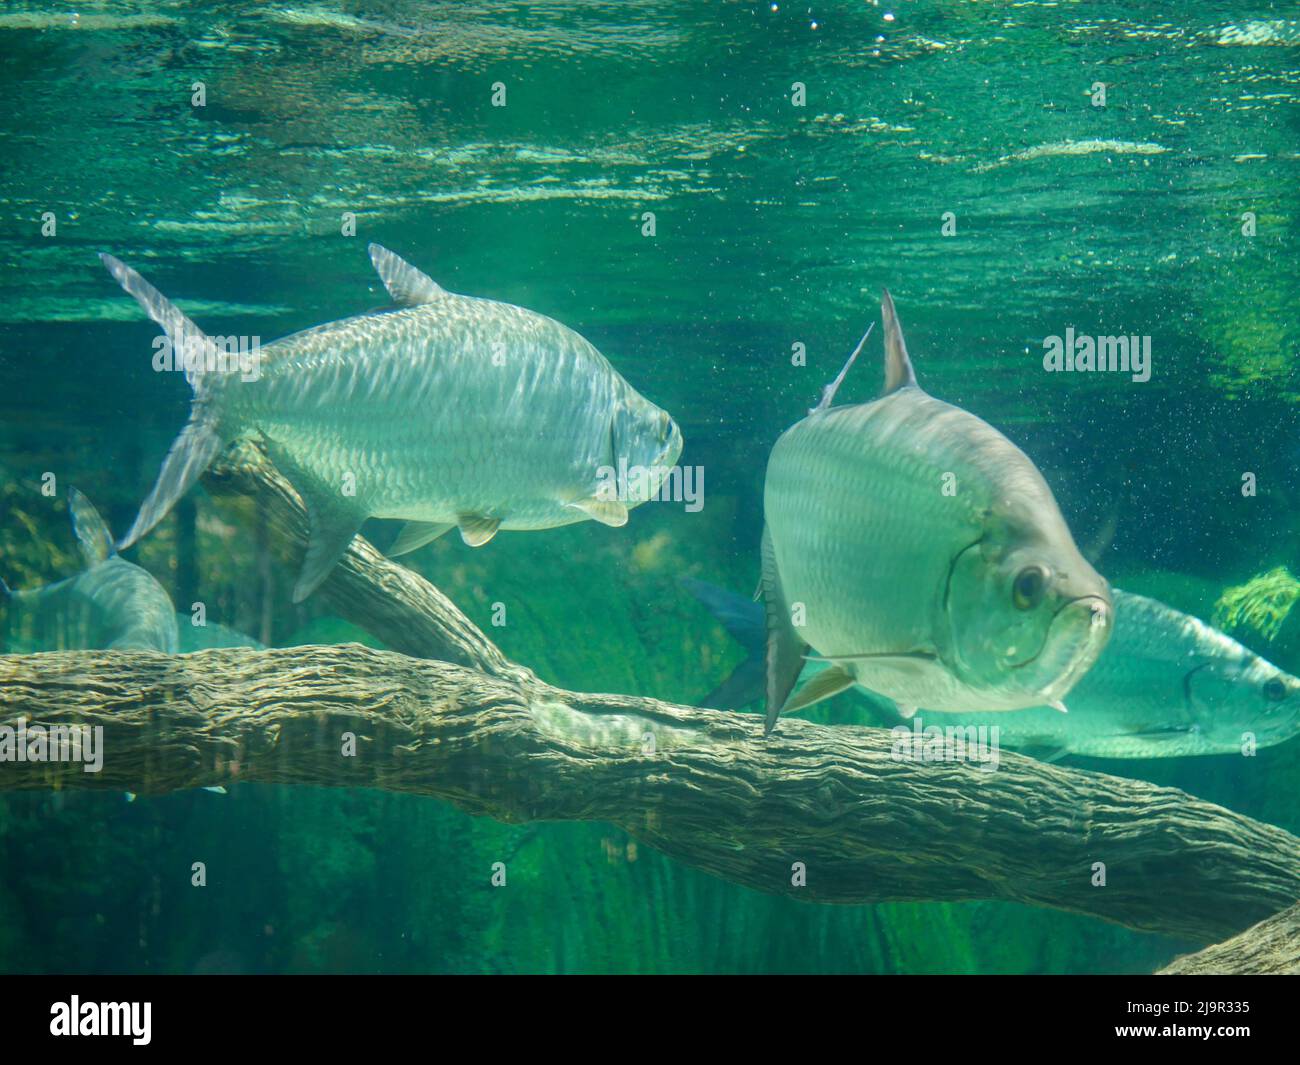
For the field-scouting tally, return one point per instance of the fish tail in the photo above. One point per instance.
(744, 621)
(201, 439)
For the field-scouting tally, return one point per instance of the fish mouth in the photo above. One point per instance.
(1100, 616)
(672, 447)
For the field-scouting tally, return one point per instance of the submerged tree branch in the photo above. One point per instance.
(703, 786)
(708, 788)
(1271, 948)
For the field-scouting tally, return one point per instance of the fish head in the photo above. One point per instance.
(1027, 614)
(648, 439)
(1228, 696)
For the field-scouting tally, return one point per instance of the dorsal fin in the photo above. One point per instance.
(408, 286)
(93, 537)
(828, 393)
(898, 367)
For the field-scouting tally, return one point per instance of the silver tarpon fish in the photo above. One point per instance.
(446, 411)
(1166, 685)
(111, 605)
(922, 555)
(211, 634)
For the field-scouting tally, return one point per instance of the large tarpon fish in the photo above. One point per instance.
(1166, 685)
(919, 552)
(446, 411)
(110, 605)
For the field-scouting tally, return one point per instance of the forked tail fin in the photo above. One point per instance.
(743, 619)
(201, 439)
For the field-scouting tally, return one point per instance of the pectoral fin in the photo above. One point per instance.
(416, 534)
(825, 684)
(878, 656)
(477, 530)
(1046, 750)
(784, 649)
(1159, 733)
(606, 511)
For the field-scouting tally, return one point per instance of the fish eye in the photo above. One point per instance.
(1028, 588)
(1274, 690)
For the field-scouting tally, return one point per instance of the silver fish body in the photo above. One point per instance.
(446, 411)
(462, 406)
(921, 553)
(111, 605)
(211, 634)
(1167, 685)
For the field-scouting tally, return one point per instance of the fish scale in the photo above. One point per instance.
(448, 410)
(1167, 685)
(474, 429)
(911, 590)
(841, 447)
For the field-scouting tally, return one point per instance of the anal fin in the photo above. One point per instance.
(334, 519)
(332, 528)
(416, 534)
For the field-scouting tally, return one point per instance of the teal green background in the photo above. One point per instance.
(775, 225)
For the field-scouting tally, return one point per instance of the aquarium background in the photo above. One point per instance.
(775, 225)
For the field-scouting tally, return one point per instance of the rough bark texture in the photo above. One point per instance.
(701, 785)
(1271, 948)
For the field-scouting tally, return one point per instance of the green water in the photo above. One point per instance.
(775, 225)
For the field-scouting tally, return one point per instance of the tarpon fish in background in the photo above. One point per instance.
(919, 552)
(211, 634)
(446, 411)
(110, 605)
(1167, 685)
